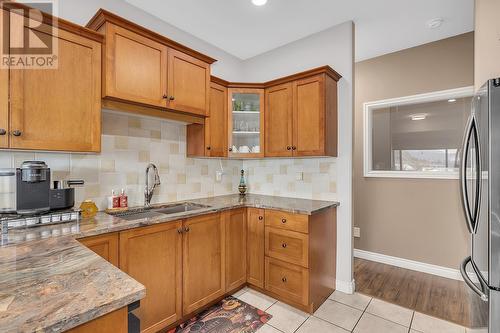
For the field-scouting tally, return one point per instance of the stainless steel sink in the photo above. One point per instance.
(180, 208)
(158, 211)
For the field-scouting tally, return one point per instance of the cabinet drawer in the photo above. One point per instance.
(288, 221)
(288, 281)
(289, 246)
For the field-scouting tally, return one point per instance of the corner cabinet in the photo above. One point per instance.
(146, 69)
(57, 108)
(105, 246)
(294, 116)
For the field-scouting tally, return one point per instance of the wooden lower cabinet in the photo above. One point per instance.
(300, 267)
(153, 256)
(104, 245)
(113, 322)
(203, 259)
(236, 248)
(255, 247)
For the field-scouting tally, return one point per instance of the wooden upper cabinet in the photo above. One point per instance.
(216, 122)
(104, 245)
(255, 248)
(236, 248)
(153, 256)
(309, 116)
(58, 109)
(203, 261)
(144, 68)
(4, 91)
(188, 83)
(279, 120)
(135, 67)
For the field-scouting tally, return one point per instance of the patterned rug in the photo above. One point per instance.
(229, 316)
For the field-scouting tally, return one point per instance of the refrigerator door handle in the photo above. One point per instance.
(471, 216)
(481, 292)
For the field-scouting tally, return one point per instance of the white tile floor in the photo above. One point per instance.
(343, 313)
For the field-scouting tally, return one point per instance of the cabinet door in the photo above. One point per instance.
(4, 91)
(153, 256)
(136, 67)
(255, 249)
(188, 83)
(104, 245)
(279, 120)
(59, 109)
(203, 261)
(309, 117)
(216, 124)
(236, 248)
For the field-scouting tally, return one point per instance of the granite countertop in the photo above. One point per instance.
(49, 282)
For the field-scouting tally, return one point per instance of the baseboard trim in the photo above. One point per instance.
(446, 272)
(346, 287)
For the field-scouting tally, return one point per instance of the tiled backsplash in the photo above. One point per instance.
(129, 143)
(311, 178)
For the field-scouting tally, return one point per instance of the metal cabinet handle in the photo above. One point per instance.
(283, 221)
(3, 131)
(261, 218)
(283, 245)
(283, 279)
(16, 133)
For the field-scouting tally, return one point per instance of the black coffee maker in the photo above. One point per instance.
(33, 186)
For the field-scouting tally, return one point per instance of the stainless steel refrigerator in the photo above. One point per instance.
(480, 191)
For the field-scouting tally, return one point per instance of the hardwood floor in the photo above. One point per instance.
(436, 296)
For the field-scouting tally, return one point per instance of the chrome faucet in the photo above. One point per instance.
(148, 192)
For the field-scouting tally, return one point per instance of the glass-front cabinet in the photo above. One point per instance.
(246, 122)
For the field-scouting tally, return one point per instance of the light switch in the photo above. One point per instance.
(299, 176)
(357, 232)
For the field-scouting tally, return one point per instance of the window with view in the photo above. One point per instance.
(418, 136)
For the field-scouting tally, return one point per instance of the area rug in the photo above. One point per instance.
(229, 316)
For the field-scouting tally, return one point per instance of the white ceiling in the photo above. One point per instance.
(244, 30)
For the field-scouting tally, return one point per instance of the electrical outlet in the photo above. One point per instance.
(299, 176)
(357, 232)
(218, 176)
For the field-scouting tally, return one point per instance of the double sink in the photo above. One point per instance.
(158, 211)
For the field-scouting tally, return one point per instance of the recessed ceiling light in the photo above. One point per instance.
(259, 2)
(418, 116)
(435, 23)
(452, 100)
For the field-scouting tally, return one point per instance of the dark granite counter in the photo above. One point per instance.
(49, 282)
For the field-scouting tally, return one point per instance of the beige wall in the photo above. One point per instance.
(414, 219)
(487, 40)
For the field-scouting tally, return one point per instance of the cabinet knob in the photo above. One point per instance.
(186, 229)
(16, 133)
(288, 148)
(283, 279)
(165, 96)
(294, 148)
(171, 98)
(208, 148)
(283, 245)
(3, 131)
(179, 231)
(261, 218)
(283, 221)
(231, 149)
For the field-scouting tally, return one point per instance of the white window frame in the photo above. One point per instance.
(368, 108)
